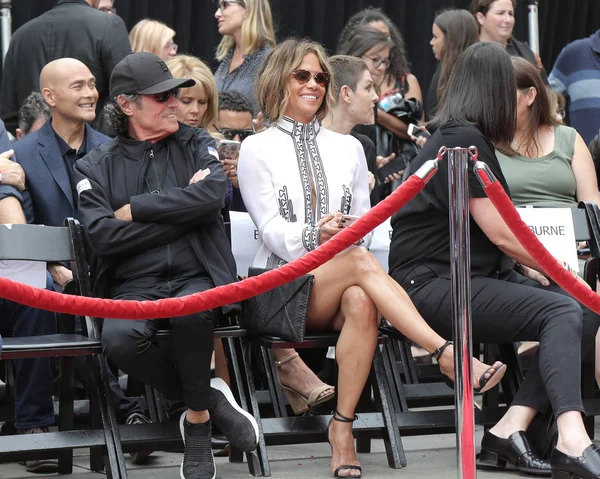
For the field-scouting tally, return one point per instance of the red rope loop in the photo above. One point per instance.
(222, 295)
(536, 249)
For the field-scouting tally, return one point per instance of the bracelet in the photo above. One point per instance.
(0, 177)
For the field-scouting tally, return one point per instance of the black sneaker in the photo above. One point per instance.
(39, 466)
(198, 461)
(238, 426)
(138, 418)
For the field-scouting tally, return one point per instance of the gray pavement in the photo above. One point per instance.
(432, 456)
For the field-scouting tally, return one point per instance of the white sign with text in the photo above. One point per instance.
(554, 228)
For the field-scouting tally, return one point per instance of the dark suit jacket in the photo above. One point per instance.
(71, 29)
(48, 198)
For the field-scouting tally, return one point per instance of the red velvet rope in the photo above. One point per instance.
(536, 249)
(222, 295)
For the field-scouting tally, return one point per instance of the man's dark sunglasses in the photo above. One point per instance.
(304, 76)
(164, 96)
(230, 133)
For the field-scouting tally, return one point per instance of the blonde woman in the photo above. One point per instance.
(198, 105)
(248, 36)
(154, 37)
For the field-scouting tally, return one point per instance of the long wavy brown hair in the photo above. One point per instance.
(460, 32)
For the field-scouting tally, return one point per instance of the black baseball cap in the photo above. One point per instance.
(144, 73)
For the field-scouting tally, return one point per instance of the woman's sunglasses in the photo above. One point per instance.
(230, 133)
(164, 96)
(304, 76)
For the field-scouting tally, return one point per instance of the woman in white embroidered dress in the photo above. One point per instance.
(297, 179)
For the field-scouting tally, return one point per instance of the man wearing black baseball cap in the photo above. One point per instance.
(151, 200)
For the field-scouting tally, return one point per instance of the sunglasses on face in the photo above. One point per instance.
(230, 133)
(166, 95)
(304, 76)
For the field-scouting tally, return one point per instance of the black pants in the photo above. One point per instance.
(512, 308)
(128, 343)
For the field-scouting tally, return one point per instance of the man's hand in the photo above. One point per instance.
(329, 226)
(124, 213)
(60, 274)
(12, 173)
(199, 175)
(230, 169)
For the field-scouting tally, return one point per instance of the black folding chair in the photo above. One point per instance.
(374, 419)
(53, 244)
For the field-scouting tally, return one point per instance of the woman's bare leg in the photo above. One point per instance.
(297, 375)
(358, 267)
(357, 319)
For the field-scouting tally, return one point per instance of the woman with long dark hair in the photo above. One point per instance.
(507, 305)
(394, 72)
(452, 32)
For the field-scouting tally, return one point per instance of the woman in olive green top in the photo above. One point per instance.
(548, 164)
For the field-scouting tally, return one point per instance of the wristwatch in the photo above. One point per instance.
(0, 177)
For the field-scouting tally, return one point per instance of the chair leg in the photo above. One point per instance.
(363, 441)
(236, 455)
(115, 461)
(263, 458)
(392, 440)
(65, 411)
(151, 403)
(393, 373)
(279, 404)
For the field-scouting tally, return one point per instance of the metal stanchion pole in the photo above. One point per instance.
(460, 262)
(5, 25)
(534, 26)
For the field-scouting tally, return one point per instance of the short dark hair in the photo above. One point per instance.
(481, 91)
(234, 101)
(347, 70)
(484, 5)
(32, 108)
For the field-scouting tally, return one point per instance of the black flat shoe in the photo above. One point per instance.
(586, 466)
(516, 450)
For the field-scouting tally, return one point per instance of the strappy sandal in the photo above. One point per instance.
(298, 402)
(485, 384)
(341, 418)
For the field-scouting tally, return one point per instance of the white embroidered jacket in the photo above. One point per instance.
(276, 172)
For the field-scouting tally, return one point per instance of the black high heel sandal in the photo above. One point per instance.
(341, 418)
(485, 384)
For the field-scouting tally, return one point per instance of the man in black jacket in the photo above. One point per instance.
(151, 201)
(74, 29)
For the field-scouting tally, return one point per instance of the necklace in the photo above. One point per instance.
(517, 145)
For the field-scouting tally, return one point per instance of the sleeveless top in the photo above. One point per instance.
(545, 181)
